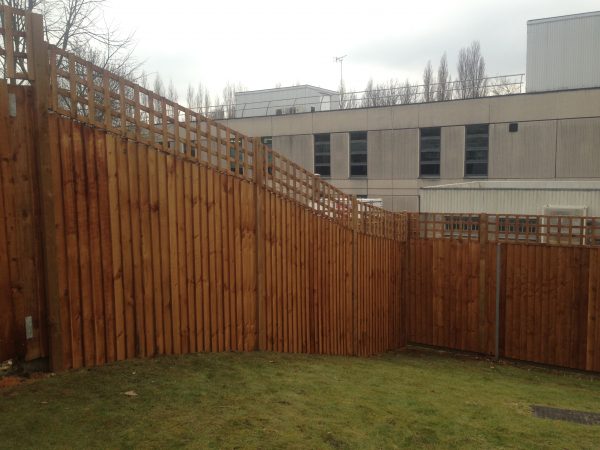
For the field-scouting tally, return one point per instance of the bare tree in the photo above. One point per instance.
(343, 95)
(409, 93)
(384, 94)
(201, 101)
(391, 92)
(217, 111)
(428, 83)
(190, 96)
(442, 87)
(159, 87)
(79, 26)
(348, 100)
(471, 72)
(370, 95)
(229, 101)
(207, 102)
(172, 92)
(504, 86)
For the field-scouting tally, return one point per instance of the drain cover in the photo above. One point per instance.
(568, 415)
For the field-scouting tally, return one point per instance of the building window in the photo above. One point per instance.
(429, 151)
(476, 150)
(267, 140)
(358, 154)
(232, 153)
(323, 154)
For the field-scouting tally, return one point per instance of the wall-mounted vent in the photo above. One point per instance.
(513, 127)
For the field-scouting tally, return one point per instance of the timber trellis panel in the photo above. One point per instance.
(161, 231)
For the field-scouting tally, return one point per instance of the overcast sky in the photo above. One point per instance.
(261, 43)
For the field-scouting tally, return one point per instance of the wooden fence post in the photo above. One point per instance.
(404, 289)
(483, 251)
(41, 83)
(354, 350)
(259, 169)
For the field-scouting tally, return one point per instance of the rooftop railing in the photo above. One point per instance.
(393, 94)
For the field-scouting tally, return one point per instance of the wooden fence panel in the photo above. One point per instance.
(549, 297)
(309, 300)
(592, 345)
(550, 301)
(450, 294)
(158, 252)
(21, 266)
(378, 298)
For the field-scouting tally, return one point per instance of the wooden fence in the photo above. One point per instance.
(134, 226)
(515, 296)
(22, 314)
(131, 226)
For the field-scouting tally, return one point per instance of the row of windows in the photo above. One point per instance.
(476, 151)
(430, 149)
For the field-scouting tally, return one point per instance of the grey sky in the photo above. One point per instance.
(261, 43)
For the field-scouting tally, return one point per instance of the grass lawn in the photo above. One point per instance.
(412, 399)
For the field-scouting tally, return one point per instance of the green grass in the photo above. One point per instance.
(414, 399)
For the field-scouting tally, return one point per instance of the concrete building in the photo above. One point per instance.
(285, 100)
(392, 152)
(541, 136)
(563, 52)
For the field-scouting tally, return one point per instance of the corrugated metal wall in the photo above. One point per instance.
(511, 201)
(563, 53)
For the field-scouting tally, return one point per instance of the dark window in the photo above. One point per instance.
(323, 154)
(476, 150)
(267, 140)
(513, 127)
(429, 152)
(358, 154)
(232, 153)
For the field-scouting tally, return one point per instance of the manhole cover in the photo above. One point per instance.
(568, 415)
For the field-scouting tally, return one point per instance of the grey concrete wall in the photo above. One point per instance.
(299, 149)
(405, 154)
(380, 148)
(283, 145)
(452, 159)
(340, 157)
(509, 108)
(527, 153)
(578, 152)
(558, 137)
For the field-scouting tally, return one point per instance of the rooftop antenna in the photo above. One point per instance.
(340, 59)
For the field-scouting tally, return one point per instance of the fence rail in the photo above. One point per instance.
(390, 96)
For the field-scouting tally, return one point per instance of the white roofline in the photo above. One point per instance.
(520, 185)
(323, 90)
(565, 17)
